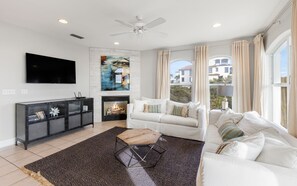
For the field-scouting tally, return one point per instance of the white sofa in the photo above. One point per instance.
(165, 123)
(222, 170)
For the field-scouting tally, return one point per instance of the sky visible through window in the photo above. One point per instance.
(284, 61)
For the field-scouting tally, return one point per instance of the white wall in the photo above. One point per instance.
(14, 43)
(278, 28)
(95, 77)
(148, 73)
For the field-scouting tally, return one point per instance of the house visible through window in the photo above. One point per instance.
(280, 84)
(222, 76)
(181, 81)
(226, 69)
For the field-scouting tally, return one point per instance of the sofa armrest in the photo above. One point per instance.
(228, 171)
(202, 119)
(214, 115)
(130, 108)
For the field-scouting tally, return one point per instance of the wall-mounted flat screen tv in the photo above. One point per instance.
(43, 69)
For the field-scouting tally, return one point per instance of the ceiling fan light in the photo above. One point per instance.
(116, 43)
(216, 25)
(63, 21)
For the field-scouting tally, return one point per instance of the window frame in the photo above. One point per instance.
(275, 93)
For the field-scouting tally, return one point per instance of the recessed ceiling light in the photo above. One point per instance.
(116, 43)
(217, 25)
(63, 21)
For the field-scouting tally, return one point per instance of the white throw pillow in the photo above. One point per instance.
(277, 150)
(252, 123)
(161, 102)
(247, 148)
(227, 117)
(193, 109)
(139, 105)
(170, 105)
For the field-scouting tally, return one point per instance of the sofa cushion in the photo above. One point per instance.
(177, 120)
(227, 117)
(277, 150)
(229, 131)
(193, 109)
(155, 117)
(170, 105)
(162, 102)
(252, 123)
(247, 148)
(152, 108)
(212, 135)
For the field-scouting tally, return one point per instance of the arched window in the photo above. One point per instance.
(281, 58)
(181, 81)
(219, 74)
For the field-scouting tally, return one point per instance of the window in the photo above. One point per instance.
(224, 76)
(280, 84)
(181, 87)
(224, 61)
(209, 70)
(217, 61)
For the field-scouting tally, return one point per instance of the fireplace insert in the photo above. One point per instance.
(114, 107)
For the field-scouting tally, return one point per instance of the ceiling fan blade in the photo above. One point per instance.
(155, 22)
(162, 34)
(124, 23)
(122, 33)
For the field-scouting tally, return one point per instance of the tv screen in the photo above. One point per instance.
(43, 69)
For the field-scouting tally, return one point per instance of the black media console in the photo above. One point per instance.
(41, 119)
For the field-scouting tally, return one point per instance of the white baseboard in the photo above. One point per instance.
(5, 143)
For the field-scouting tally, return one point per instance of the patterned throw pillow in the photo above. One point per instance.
(229, 131)
(152, 108)
(180, 111)
(247, 147)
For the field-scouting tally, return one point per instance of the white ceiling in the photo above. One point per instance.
(188, 21)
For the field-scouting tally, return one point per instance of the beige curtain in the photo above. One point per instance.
(259, 59)
(292, 115)
(163, 81)
(241, 76)
(201, 86)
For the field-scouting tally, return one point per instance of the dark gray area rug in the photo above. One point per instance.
(92, 162)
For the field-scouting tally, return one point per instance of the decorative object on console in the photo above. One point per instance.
(115, 73)
(225, 90)
(54, 111)
(79, 95)
(40, 115)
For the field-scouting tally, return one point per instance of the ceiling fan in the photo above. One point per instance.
(140, 27)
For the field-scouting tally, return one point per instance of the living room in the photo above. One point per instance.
(145, 35)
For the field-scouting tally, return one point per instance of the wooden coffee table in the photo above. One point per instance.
(132, 140)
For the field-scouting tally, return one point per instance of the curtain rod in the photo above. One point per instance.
(210, 46)
(276, 19)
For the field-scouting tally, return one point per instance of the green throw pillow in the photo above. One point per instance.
(152, 108)
(180, 111)
(229, 131)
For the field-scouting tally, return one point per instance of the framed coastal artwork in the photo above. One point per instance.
(115, 73)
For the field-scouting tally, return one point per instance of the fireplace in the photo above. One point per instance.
(114, 107)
